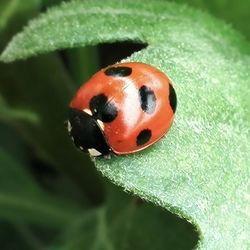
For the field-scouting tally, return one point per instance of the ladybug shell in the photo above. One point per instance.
(135, 102)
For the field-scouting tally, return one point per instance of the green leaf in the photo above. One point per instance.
(11, 115)
(83, 62)
(69, 30)
(32, 212)
(44, 88)
(223, 10)
(200, 170)
(48, 3)
(10, 8)
(126, 222)
(11, 238)
(24, 88)
(22, 200)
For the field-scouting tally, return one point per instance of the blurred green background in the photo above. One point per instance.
(51, 196)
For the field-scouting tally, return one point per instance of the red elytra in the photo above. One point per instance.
(133, 104)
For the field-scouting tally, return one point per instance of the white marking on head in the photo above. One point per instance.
(101, 124)
(72, 138)
(81, 147)
(94, 152)
(69, 127)
(88, 111)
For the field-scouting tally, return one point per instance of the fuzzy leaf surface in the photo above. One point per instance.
(200, 170)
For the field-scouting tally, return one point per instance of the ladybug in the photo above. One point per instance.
(122, 109)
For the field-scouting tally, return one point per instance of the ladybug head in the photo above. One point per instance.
(86, 132)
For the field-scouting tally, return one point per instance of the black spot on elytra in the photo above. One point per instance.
(102, 109)
(143, 137)
(118, 71)
(172, 97)
(147, 99)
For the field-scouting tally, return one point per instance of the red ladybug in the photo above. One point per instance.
(123, 109)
